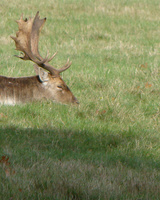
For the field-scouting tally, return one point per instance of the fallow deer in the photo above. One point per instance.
(48, 83)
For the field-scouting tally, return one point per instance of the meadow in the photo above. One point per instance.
(108, 147)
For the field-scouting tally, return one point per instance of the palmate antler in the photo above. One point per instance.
(27, 39)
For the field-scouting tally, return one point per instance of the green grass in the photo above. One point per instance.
(109, 146)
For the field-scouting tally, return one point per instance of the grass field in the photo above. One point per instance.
(108, 148)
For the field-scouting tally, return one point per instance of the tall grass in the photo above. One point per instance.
(108, 147)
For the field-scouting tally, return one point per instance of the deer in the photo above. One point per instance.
(47, 84)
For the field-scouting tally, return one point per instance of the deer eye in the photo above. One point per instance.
(59, 87)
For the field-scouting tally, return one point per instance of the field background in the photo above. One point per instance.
(109, 146)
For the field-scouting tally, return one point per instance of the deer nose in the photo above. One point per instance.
(75, 101)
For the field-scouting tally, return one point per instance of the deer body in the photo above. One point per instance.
(47, 84)
(27, 89)
(19, 90)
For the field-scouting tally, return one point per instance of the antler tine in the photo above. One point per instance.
(54, 71)
(43, 59)
(65, 67)
(19, 57)
(38, 62)
(52, 57)
(21, 18)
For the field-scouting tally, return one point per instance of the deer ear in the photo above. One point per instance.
(43, 75)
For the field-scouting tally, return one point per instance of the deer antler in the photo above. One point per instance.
(27, 39)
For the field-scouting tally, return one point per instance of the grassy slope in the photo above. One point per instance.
(108, 147)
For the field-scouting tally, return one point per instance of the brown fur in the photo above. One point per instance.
(27, 89)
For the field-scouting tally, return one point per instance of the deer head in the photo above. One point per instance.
(26, 41)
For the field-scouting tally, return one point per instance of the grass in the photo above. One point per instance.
(108, 147)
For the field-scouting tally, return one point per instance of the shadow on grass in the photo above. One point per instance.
(107, 148)
(76, 165)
